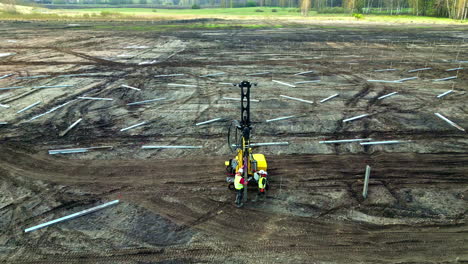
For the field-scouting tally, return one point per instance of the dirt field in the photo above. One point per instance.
(174, 204)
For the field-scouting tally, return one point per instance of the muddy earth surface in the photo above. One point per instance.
(175, 206)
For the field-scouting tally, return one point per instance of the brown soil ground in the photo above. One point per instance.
(175, 206)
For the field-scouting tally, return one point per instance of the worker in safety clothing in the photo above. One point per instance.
(262, 182)
(239, 183)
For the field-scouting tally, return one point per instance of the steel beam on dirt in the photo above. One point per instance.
(95, 98)
(407, 79)
(148, 62)
(137, 47)
(212, 74)
(32, 77)
(306, 72)
(171, 147)
(238, 99)
(28, 107)
(169, 75)
(344, 141)
(133, 126)
(446, 79)
(280, 118)
(366, 182)
(181, 85)
(355, 118)
(381, 142)
(7, 54)
(383, 81)
(52, 110)
(420, 69)
(329, 98)
(75, 215)
(444, 93)
(4, 106)
(450, 122)
(257, 73)
(455, 69)
(384, 70)
(6, 76)
(224, 83)
(76, 150)
(70, 127)
(67, 151)
(386, 95)
(209, 121)
(147, 101)
(12, 87)
(297, 99)
(3, 123)
(314, 81)
(283, 83)
(101, 147)
(130, 87)
(269, 144)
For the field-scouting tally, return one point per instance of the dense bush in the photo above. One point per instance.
(274, 10)
(195, 6)
(109, 14)
(358, 16)
(258, 10)
(251, 4)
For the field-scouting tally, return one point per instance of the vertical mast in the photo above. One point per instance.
(245, 127)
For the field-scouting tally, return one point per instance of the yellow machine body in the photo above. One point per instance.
(256, 162)
(261, 161)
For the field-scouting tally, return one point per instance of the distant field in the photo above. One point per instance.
(247, 11)
(270, 13)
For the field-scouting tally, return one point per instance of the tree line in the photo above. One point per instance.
(456, 9)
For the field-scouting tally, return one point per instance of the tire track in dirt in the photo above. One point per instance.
(202, 253)
(172, 188)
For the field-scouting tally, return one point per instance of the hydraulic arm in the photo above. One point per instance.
(239, 140)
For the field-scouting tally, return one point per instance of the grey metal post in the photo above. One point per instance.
(70, 127)
(171, 147)
(68, 217)
(366, 182)
(28, 107)
(284, 83)
(246, 177)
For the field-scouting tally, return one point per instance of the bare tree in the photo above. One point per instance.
(305, 7)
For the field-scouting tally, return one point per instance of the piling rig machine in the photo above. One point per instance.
(239, 141)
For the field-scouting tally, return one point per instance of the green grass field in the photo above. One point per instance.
(245, 11)
(282, 15)
(266, 12)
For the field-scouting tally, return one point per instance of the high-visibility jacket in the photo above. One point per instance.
(262, 183)
(238, 182)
